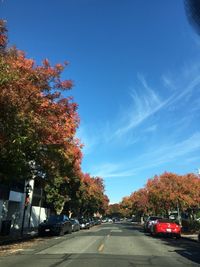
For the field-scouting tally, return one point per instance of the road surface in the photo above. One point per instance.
(109, 245)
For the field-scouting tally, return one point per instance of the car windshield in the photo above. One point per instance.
(82, 220)
(154, 218)
(56, 219)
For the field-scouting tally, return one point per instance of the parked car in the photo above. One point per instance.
(84, 223)
(149, 222)
(116, 219)
(97, 221)
(92, 222)
(166, 227)
(75, 225)
(104, 220)
(56, 225)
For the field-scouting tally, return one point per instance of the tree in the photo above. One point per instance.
(37, 132)
(171, 190)
(37, 124)
(140, 202)
(92, 197)
(126, 206)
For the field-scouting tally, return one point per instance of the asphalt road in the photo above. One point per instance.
(109, 245)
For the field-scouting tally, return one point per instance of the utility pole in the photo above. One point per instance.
(27, 190)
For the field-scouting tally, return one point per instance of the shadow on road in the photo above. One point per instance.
(187, 248)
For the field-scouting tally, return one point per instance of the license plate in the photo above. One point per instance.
(168, 230)
(47, 230)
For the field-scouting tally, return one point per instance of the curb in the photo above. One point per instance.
(189, 238)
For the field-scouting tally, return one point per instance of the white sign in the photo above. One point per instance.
(15, 196)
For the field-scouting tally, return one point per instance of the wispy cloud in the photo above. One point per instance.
(157, 157)
(186, 91)
(109, 170)
(151, 128)
(168, 83)
(146, 102)
(144, 105)
(89, 140)
(169, 152)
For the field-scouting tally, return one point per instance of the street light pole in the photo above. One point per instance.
(26, 202)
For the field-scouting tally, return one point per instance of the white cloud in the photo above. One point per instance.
(168, 83)
(143, 106)
(160, 155)
(89, 140)
(169, 152)
(146, 102)
(151, 128)
(186, 91)
(109, 170)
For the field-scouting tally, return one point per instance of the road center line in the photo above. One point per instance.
(101, 247)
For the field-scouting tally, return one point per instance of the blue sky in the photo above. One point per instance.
(136, 69)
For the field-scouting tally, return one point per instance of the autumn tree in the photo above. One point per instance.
(114, 210)
(126, 206)
(92, 196)
(169, 191)
(37, 124)
(165, 193)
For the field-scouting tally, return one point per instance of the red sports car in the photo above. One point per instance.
(166, 227)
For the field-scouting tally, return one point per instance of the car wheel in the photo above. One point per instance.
(70, 231)
(61, 233)
(154, 234)
(178, 236)
(40, 233)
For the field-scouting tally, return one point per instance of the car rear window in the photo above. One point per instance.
(165, 221)
(154, 218)
(57, 218)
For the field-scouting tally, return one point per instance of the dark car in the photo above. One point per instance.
(55, 225)
(75, 225)
(91, 221)
(97, 221)
(84, 223)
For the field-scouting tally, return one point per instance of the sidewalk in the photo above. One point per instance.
(193, 237)
(15, 236)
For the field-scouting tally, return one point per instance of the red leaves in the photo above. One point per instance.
(93, 196)
(64, 85)
(3, 34)
(34, 93)
(162, 193)
(46, 63)
(3, 40)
